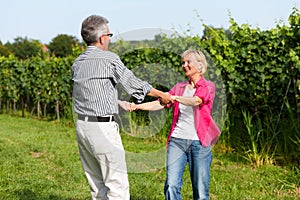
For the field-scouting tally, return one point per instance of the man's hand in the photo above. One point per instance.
(165, 98)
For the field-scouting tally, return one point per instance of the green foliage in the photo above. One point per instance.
(62, 45)
(77, 50)
(24, 48)
(261, 71)
(4, 50)
(260, 149)
(36, 80)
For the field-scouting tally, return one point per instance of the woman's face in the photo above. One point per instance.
(190, 65)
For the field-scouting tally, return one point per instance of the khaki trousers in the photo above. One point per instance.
(103, 159)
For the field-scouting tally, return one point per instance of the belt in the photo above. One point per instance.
(96, 118)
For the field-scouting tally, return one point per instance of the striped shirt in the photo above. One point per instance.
(95, 74)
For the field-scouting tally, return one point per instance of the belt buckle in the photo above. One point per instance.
(105, 119)
(87, 118)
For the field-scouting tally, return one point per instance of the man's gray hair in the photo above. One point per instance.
(92, 28)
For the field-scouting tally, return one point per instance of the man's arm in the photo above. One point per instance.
(164, 97)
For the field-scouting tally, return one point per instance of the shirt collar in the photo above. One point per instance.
(92, 47)
(201, 82)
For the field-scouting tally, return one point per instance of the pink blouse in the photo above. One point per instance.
(207, 130)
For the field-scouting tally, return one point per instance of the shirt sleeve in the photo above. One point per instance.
(129, 82)
(206, 92)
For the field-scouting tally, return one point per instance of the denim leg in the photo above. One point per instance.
(199, 159)
(176, 162)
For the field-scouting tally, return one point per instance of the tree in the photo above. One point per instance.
(4, 50)
(24, 48)
(62, 44)
(207, 30)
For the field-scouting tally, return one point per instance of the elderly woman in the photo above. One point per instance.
(193, 130)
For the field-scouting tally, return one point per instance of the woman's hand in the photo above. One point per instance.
(132, 107)
(173, 98)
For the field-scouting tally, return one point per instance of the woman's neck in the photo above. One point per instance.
(194, 79)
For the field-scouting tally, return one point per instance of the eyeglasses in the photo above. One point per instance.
(108, 34)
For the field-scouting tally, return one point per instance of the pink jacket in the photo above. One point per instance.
(207, 130)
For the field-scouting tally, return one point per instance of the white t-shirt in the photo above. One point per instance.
(185, 127)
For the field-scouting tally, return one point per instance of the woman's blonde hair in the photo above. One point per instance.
(200, 57)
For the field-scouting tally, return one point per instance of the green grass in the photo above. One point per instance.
(39, 161)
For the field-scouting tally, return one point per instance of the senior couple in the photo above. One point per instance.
(95, 74)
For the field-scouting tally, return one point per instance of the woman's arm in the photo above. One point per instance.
(151, 106)
(188, 101)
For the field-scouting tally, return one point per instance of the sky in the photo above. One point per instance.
(43, 20)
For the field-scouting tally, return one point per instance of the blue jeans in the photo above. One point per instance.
(179, 153)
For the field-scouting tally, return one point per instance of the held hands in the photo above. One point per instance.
(165, 99)
(127, 105)
(124, 105)
(132, 107)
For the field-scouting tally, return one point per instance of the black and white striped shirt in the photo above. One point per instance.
(95, 74)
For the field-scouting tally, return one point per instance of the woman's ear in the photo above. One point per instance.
(200, 67)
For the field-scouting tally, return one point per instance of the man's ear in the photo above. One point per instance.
(100, 40)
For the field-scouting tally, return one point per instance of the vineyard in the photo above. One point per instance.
(257, 74)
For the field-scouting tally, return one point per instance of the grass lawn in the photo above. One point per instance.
(39, 160)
